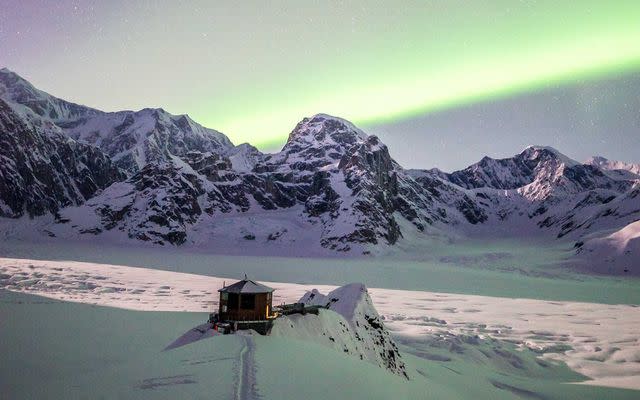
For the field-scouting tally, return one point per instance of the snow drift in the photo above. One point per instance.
(615, 254)
(349, 324)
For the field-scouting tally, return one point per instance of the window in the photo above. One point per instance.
(232, 303)
(248, 301)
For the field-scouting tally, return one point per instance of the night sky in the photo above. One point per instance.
(441, 82)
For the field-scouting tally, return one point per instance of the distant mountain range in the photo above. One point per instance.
(155, 177)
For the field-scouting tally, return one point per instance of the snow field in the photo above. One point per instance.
(598, 340)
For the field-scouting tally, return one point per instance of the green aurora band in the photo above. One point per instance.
(447, 54)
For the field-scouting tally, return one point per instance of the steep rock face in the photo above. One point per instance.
(345, 179)
(316, 143)
(350, 325)
(371, 175)
(163, 201)
(348, 182)
(42, 171)
(449, 203)
(157, 203)
(569, 180)
(381, 192)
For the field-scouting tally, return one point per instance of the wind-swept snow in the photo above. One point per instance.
(616, 254)
(597, 340)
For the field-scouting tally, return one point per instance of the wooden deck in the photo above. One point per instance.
(297, 308)
(263, 326)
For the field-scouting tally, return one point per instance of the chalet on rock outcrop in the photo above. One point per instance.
(248, 304)
(246, 300)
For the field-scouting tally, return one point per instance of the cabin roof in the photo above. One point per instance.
(246, 286)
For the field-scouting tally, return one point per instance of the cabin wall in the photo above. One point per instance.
(258, 313)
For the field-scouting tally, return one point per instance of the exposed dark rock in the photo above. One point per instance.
(43, 171)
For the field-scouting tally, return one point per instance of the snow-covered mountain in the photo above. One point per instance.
(131, 138)
(617, 168)
(156, 177)
(555, 192)
(43, 170)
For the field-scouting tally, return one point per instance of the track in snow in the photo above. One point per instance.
(246, 378)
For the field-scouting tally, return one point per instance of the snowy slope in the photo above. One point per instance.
(617, 253)
(353, 328)
(244, 157)
(351, 325)
(101, 352)
(436, 326)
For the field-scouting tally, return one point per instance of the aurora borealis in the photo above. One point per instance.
(252, 70)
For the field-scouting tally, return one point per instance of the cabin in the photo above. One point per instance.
(246, 301)
(248, 305)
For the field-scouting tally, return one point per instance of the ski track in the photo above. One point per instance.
(241, 390)
(246, 381)
(600, 341)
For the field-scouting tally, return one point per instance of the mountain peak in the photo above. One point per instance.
(6, 70)
(511, 172)
(536, 148)
(326, 129)
(628, 170)
(596, 159)
(10, 79)
(15, 89)
(535, 152)
(318, 141)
